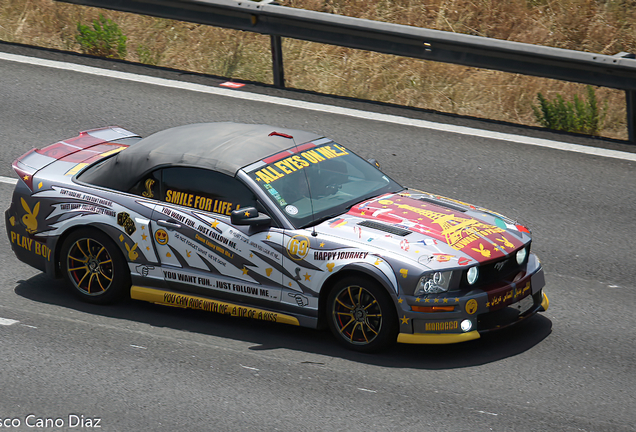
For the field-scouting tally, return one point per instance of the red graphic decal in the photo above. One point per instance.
(303, 147)
(277, 157)
(231, 84)
(442, 257)
(460, 231)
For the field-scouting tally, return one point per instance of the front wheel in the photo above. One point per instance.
(94, 267)
(361, 315)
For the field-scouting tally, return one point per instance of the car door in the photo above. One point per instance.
(200, 251)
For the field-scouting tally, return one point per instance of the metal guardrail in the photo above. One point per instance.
(618, 72)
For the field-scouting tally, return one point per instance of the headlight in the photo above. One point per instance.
(472, 275)
(432, 283)
(521, 255)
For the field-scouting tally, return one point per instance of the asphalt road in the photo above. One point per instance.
(140, 367)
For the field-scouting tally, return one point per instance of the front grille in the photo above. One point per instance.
(503, 269)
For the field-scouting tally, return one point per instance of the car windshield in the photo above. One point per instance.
(311, 183)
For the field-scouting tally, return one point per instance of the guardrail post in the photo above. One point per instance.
(277, 61)
(630, 98)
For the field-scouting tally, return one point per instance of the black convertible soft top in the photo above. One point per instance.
(223, 147)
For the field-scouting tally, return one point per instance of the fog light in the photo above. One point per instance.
(466, 325)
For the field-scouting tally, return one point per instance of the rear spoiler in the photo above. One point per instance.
(89, 146)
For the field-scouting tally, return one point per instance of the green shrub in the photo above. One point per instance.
(104, 39)
(148, 56)
(578, 116)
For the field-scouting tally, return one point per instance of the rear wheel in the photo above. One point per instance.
(94, 267)
(361, 315)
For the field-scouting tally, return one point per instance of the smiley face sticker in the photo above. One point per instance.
(161, 236)
(471, 306)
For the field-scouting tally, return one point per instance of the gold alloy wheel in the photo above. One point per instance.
(357, 315)
(89, 266)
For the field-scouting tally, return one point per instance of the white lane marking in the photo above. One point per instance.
(486, 412)
(29, 326)
(7, 321)
(367, 390)
(247, 367)
(137, 346)
(8, 180)
(424, 124)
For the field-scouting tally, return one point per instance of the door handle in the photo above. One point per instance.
(168, 224)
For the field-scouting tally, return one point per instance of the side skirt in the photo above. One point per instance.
(188, 301)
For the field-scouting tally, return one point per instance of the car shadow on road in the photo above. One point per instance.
(265, 336)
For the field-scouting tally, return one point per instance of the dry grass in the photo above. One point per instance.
(605, 27)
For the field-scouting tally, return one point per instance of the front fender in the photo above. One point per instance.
(375, 273)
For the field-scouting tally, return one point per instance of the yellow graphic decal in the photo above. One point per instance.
(204, 304)
(161, 236)
(268, 271)
(404, 273)
(12, 220)
(515, 294)
(471, 306)
(385, 202)
(330, 266)
(458, 231)
(481, 250)
(215, 247)
(279, 169)
(441, 326)
(505, 242)
(200, 202)
(404, 319)
(75, 169)
(298, 247)
(31, 245)
(132, 253)
(29, 219)
(113, 151)
(148, 192)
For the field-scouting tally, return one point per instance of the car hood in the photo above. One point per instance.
(433, 230)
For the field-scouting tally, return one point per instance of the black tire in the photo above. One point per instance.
(94, 267)
(361, 315)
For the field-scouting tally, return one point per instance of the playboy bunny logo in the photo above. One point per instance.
(29, 219)
(132, 253)
(485, 252)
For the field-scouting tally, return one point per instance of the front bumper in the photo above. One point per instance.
(446, 319)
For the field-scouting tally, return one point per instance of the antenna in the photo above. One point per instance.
(311, 201)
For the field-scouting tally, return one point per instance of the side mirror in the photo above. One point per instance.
(375, 163)
(249, 216)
